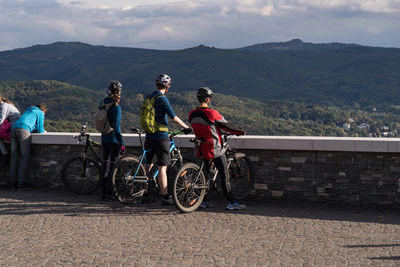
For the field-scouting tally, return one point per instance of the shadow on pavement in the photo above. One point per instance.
(389, 258)
(373, 246)
(52, 201)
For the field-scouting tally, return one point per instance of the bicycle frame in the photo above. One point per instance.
(81, 174)
(193, 181)
(89, 144)
(142, 157)
(228, 152)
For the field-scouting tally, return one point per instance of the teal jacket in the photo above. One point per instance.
(31, 120)
(114, 118)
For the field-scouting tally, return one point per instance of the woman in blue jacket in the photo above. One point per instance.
(112, 142)
(31, 121)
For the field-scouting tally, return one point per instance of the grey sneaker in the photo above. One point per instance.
(235, 206)
(166, 202)
(206, 204)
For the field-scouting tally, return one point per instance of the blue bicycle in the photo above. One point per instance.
(130, 178)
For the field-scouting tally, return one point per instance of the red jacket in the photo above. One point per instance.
(207, 125)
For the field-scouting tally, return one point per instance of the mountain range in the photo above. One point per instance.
(330, 74)
(287, 88)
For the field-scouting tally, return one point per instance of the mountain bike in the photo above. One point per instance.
(82, 174)
(130, 177)
(192, 181)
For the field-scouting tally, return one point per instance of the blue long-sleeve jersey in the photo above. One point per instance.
(114, 118)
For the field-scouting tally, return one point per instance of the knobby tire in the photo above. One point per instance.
(81, 175)
(125, 189)
(189, 188)
(241, 175)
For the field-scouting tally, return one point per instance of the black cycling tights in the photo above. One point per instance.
(222, 167)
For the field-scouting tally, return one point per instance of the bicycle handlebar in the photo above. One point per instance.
(84, 128)
(139, 131)
(224, 136)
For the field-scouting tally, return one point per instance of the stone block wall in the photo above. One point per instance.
(349, 170)
(350, 177)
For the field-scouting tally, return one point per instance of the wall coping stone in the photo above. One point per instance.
(262, 142)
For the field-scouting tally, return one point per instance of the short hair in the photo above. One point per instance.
(42, 106)
(161, 86)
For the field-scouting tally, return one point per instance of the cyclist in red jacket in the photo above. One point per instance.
(207, 124)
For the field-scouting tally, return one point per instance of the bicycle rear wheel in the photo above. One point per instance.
(241, 175)
(81, 175)
(126, 188)
(189, 188)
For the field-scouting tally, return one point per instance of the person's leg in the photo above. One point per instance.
(162, 180)
(222, 166)
(106, 168)
(25, 141)
(3, 148)
(115, 154)
(206, 203)
(150, 153)
(4, 156)
(14, 158)
(163, 160)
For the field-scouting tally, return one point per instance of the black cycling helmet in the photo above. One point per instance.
(203, 93)
(114, 87)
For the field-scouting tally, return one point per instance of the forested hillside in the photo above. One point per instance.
(324, 74)
(70, 106)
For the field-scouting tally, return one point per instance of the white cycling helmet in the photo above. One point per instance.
(163, 79)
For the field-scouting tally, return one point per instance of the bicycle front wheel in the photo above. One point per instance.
(241, 175)
(81, 175)
(189, 188)
(126, 187)
(176, 164)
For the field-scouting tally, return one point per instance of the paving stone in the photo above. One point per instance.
(46, 227)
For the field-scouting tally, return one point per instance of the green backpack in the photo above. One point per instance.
(148, 116)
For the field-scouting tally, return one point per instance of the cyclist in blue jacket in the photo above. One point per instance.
(112, 143)
(158, 142)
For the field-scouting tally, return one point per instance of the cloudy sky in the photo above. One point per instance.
(178, 24)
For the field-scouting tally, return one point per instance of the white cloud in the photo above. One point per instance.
(113, 4)
(374, 6)
(172, 24)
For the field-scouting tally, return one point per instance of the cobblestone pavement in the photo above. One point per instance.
(56, 228)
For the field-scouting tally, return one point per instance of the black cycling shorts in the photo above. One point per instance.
(160, 148)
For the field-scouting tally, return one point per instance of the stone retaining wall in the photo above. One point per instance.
(355, 170)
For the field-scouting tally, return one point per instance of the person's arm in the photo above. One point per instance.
(178, 121)
(40, 122)
(3, 112)
(116, 123)
(224, 125)
(170, 112)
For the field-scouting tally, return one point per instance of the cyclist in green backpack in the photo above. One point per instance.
(154, 120)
